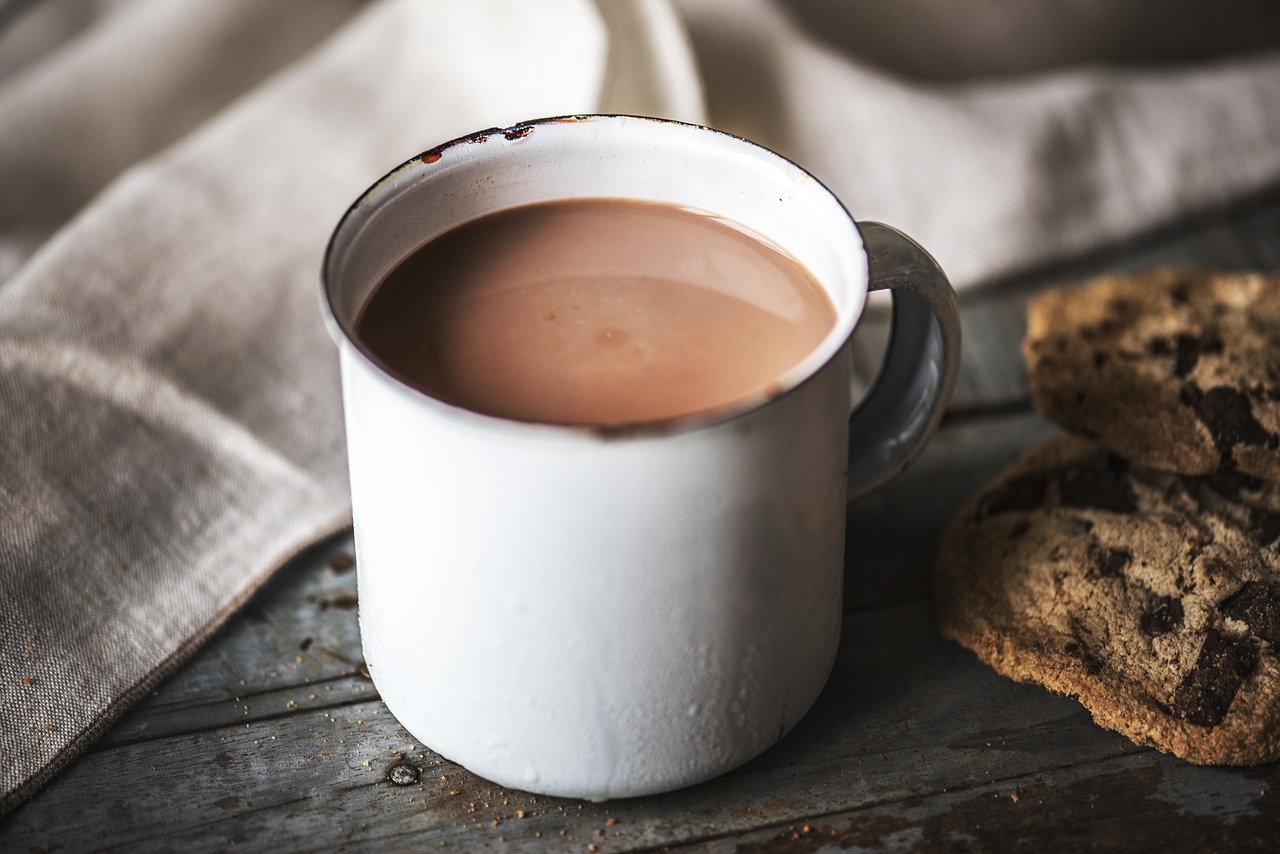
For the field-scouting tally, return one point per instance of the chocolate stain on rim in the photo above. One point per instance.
(519, 131)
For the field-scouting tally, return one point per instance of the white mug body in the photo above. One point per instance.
(599, 613)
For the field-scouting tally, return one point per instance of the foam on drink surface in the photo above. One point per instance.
(596, 311)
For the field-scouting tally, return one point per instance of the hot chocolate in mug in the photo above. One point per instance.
(604, 612)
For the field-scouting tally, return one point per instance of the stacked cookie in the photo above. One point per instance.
(1136, 564)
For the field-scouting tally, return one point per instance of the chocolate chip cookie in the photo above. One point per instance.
(1177, 370)
(1153, 598)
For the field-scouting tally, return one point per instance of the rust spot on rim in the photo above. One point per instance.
(431, 156)
(518, 131)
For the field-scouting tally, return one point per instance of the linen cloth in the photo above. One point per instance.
(993, 174)
(170, 173)
(172, 423)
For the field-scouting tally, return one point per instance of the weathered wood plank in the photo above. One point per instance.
(894, 532)
(1141, 802)
(905, 715)
(913, 742)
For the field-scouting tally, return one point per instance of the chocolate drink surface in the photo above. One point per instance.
(600, 312)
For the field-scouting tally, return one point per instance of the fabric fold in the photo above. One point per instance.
(999, 174)
(127, 86)
(173, 422)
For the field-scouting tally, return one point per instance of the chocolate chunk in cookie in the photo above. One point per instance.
(1176, 370)
(1152, 597)
(1225, 664)
(1257, 605)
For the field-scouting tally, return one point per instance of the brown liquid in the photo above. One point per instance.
(595, 311)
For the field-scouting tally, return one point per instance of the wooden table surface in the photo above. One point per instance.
(273, 737)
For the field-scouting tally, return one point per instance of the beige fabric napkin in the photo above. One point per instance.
(994, 174)
(172, 425)
(169, 176)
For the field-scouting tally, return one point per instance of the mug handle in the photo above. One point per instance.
(900, 413)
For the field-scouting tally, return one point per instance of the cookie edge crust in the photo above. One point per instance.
(1034, 653)
(1183, 444)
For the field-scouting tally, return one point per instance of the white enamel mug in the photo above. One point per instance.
(610, 613)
